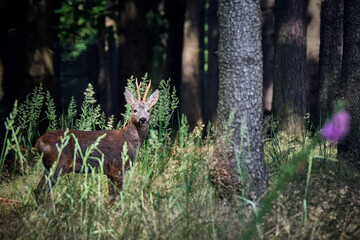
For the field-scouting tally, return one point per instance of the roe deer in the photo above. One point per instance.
(111, 145)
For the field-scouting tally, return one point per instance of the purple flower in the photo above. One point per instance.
(337, 128)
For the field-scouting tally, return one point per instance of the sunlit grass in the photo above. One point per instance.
(167, 194)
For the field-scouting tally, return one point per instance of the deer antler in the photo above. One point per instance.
(138, 89)
(147, 91)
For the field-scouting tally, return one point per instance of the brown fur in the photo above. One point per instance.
(111, 146)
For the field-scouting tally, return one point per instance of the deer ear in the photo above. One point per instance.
(130, 99)
(152, 100)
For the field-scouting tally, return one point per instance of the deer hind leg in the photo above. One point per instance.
(44, 186)
(41, 187)
(114, 185)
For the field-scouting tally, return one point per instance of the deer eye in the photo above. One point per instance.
(135, 111)
(148, 110)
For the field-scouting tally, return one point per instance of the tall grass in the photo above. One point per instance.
(167, 193)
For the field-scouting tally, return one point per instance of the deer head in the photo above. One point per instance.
(141, 107)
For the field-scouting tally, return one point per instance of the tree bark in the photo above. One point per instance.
(331, 43)
(240, 93)
(190, 73)
(349, 148)
(289, 68)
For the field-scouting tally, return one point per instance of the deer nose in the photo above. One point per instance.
(142, 120)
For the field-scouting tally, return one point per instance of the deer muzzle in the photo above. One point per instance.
(142, 120)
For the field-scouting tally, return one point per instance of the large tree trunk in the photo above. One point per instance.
(211, 80)
(331, 42)
(289, 68)
(240, 93)
(350, 80)
(190, 89)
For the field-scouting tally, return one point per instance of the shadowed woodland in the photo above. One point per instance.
(255, 133)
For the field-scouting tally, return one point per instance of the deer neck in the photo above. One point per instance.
(137, 133)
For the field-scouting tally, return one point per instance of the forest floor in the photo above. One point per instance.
(333, 206)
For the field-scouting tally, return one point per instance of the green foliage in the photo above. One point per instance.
(90, 116)
(21, 131)
(110, 123)
(9, 125)
(77, 27)
(50, 112)
(67, 120)
(29, 115)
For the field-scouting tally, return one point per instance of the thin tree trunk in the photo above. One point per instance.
(174, 13)
(349, 149)
(190, 89)
(107, 59)
(289, 68)
(240, 93)
(331, 43)
(133, 45)
(312, 81)
(268, 15)
(210, 84)
(103, 74)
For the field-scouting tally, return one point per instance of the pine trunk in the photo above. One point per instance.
(331, 43)
(349, 149)
(240, 93)
(190, 89)
(289, 68)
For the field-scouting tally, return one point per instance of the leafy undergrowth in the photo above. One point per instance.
(167, 192)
